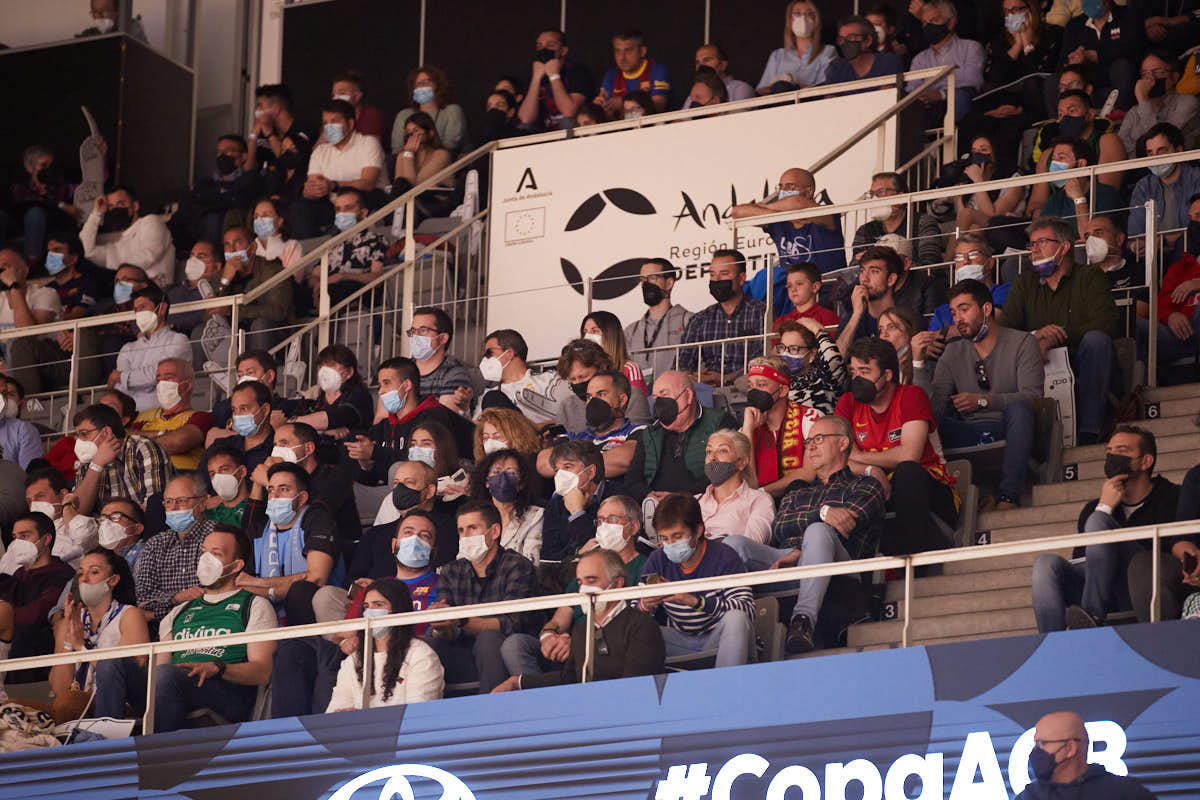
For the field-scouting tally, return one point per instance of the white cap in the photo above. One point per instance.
(896, 242)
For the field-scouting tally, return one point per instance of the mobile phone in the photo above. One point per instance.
(75, 590)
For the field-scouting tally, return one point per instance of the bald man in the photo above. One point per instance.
(817, 240)
(1059, 764)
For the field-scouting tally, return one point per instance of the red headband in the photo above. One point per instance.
(769, 372)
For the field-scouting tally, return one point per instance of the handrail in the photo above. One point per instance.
(783, 98)
(587, 601)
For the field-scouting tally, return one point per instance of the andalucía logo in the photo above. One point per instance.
(619, 278)
(396, 783)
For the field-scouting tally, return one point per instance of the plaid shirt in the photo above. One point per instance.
(509, 576)
(142, 469)
(712, 324)
(167, 566)
(801, 507)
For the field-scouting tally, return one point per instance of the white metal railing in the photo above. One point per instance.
(364, 625)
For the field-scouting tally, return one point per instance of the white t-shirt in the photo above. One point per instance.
(39, 298)
(348, 163)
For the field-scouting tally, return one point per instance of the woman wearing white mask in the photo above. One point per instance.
(803, 60)
(344, 403)
(404, 669)
(433, 444)
(103, 613)
(733, 505)
(504, 478)
(502, 428)
(603, 328)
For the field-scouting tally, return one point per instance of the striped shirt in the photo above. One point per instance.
(718, 559)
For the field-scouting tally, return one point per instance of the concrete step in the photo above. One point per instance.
(946, 585)
(976, 637)
(1177, 433)
(1028, 516)
(1180, 392)
(1023, 561)
(1181, 460)
(973, 626)
(1019, 533)
(971, 602)
(1080, 491)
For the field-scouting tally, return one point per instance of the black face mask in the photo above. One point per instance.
(666, 410)
(226, 164)
(1159, 88)
(289, 159)
(1042, 764)
(599, 414)
(934, 33)
(1116, 464)
(851, 50)
(980, 159)
(1193, 237)
(721, 290)
(496, 118)
(863, 390)
(1071, 126)
(49, 175)
(580, 390)
(757, 398)
(652, 295)
(718, 472)
(544, 55)
(116, 219)
(405, 497)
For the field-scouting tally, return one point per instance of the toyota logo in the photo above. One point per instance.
(396, 783)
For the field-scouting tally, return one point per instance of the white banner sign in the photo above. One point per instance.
(599, 206)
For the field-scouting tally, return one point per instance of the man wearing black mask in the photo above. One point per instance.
(939, 19)
(233, 185)
(558, 87)
(608, 428)
(734, 314)
(663, 324)
(1059, 762)
(669, 453)
(1074, 595)
(1158, 101)
(144, 241)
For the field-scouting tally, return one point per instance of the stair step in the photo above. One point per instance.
(1031, 631)
(1182, 460)
(1177, 433)
(1080, 491)
(1182, 391)
(1020, 561)
(1019, 533)
(1028, 516)
(972, 626)
(944, 585)
(970, 602)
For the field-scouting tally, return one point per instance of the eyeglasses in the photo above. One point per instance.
(819, 438)
(423, 331)
(981, 376)
(882, 193)
(1041, 743)
(118, 517)
(1157, 72)
(179, 502)
(970, 255)
(84, 433)
(791, 349)
(1038, 244)
(612, 519)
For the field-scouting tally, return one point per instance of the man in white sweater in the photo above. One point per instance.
(144, 240)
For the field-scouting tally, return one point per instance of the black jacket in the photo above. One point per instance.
(1160, 507)
(1095, 784)
(561, 536)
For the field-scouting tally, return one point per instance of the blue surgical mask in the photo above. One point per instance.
(680, 551)
(264, 227)
(244, 424)
(345, 220)
(1059, 166)
(123, 292)
(236, 255)
(1093, 8)
(422, 95)
(414, 552)
(788, 193)
(55, 263)
(1161, 170)
(426, 455)
(334, 132)
(280, 510)
(392, 401)
(180, 521)
(370, 613)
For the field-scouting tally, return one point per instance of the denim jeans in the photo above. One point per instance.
(1170, 347)
(176, 694)
(304, 675)
(1093, 366)
(120, 681)
(522, 655)
(472, 658)
(1016, 429)
(1057, 583)
(822, 544)
(733, 638)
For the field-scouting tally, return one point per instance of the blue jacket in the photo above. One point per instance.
(1151, 188)
(1095, 784)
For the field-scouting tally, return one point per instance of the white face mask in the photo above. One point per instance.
(285, 453)
(168, 394)
(111, 534)
(146, 321)
(802, 26)
(209, 570)
(329, 379)
(93, 594)
(104, 24)
(969, 272)
(194, 269)
(225, 485)
(565, 481)
(598, 338)
(1097, 249)
(473, 548)
(85, 451)
(22, 552)
(42, 507)
(492, 369)
(492, 445)
(880, 213)
(8, 409)
(589, 588)
(610, 536)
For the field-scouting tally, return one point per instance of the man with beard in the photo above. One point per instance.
(879, 270)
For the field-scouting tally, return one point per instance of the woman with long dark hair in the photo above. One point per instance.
(405, 670)
(344, 403)
(507, 479)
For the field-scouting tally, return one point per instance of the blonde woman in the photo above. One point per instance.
(803, 59)
(733, 504)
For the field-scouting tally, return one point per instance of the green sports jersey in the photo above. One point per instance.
(201, 619)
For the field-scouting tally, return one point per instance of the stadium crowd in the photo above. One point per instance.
(424, 482)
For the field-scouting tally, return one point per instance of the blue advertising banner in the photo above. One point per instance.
(950, 721)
